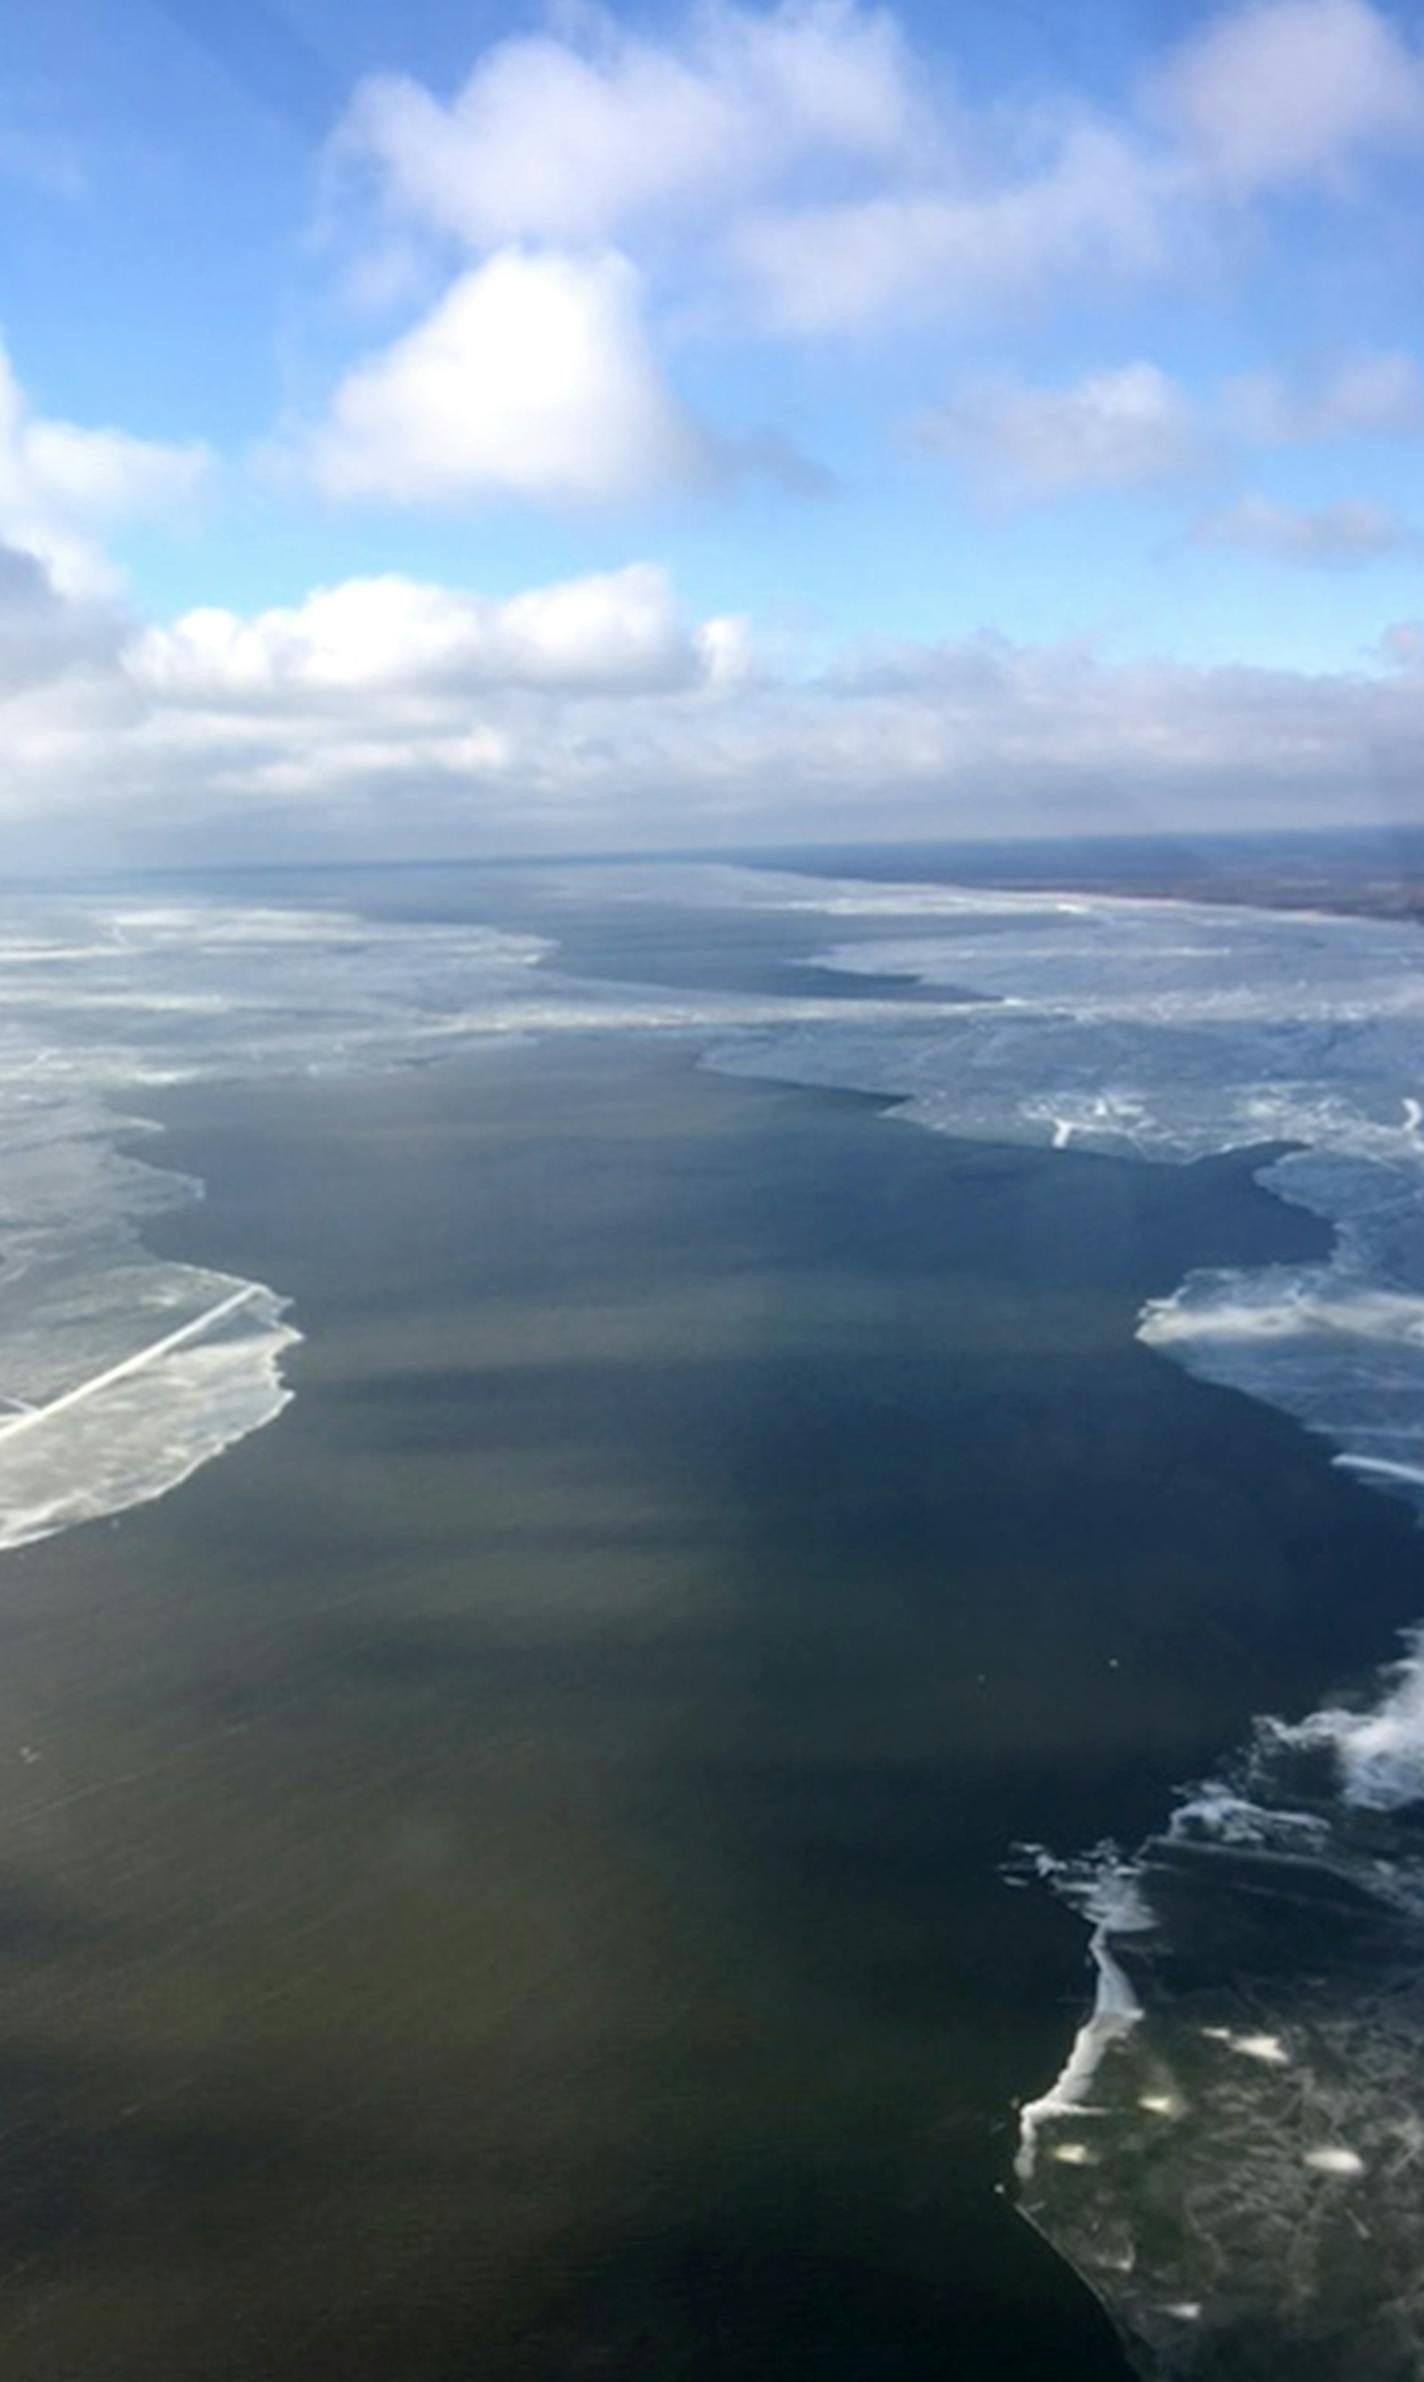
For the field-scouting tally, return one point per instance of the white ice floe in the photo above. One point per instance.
(139, 1427)
(1333, 2158)
(1379, 1752)
(1109, 1895)
(1269, 2049)
(122, 1372)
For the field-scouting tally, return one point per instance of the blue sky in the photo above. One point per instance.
(451, 429)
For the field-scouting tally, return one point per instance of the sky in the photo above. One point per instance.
(478, 431)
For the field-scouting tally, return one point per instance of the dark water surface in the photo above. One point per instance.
(499, 1876)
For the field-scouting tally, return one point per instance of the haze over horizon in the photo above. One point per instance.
(592, 430)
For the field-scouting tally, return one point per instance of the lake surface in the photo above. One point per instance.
(503, 1873)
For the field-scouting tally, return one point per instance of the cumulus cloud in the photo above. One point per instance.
(393, 716)
(969, 235)
(1286, 91)
(1133, 425)
(615, 631)
(820, 175)
(1121, 428)
(1270, 95)
(825, 167)
(388, 691)
(1335, 535)
(828, 177)
(60, 484)
(535, 375)
(574, 139)
(800, 171)
(532, 377)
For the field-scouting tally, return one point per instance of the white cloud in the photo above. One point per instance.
(1278, 92)
(106, 475)
(925, 247)
(726, 650)
(800, 171)
(1292, 90)
(535, 375)
(1335, 535)
(389, 716)
(616, 631)
(805, 163)
(1132, 425)
(60, 483)
(1121, 428)
(381, 692)
(1370, 394)
(573, 139)
(532, 377)
(808, 169)
(45, 634)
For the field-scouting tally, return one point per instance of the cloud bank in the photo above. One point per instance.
(401, 717)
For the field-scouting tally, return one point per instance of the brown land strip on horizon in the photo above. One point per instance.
(1371, 897)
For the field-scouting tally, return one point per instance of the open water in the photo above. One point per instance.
(645, 1703)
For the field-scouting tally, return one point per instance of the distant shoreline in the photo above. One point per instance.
(1342, 876)
(1396, 902)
